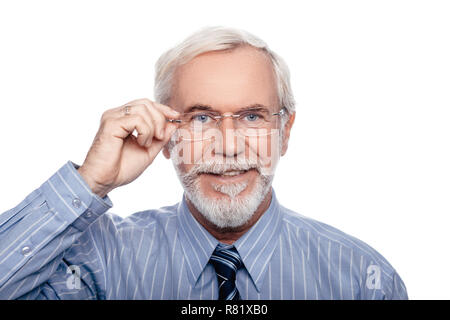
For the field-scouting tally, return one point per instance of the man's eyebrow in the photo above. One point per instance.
(198, 106)
(254, 107)
(204, 107)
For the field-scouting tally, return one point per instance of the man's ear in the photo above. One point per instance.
(287, 132)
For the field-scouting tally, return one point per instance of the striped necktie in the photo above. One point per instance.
(226, 262)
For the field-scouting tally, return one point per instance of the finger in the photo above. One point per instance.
(124, 110)
(152, 117)
(159, 121)
(156, 146)
(124, 126)
(167, 111)
(170, 111)
(158, 114)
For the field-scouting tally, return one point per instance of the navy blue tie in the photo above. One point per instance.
(226, 262)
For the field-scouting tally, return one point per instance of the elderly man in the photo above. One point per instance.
(223, 114)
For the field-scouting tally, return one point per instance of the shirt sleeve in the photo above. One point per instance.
(36, 235)
(399, 291)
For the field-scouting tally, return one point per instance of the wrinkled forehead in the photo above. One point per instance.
(226, 80)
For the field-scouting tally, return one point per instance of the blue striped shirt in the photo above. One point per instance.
(61, 243)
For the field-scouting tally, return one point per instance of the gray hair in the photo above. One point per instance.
(216, 39)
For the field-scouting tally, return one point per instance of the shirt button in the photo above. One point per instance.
(76, 202)
(26, 250)
(88, 214)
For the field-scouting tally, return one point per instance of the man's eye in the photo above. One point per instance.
(200, 118)
(252, 117)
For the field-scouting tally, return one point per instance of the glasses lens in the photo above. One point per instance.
(257, 124)
(199, 126)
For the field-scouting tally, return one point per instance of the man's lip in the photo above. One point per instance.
(219, 174)
(225, 179)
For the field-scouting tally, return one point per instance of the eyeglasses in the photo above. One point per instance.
(249, 123)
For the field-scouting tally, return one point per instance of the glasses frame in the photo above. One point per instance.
(219, 119)
(234, 116)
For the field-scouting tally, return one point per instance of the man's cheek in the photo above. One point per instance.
(264, 150)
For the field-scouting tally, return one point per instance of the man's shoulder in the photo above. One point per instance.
(314, 234)
(110, 223)
(328, 247)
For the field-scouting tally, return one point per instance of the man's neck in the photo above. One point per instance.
(230, 235)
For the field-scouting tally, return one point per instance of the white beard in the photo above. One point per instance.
(232, 210)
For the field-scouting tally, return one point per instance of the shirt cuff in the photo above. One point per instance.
(68, 194)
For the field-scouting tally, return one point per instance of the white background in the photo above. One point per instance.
(369, 151)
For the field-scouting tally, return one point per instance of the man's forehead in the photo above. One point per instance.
(225, 79)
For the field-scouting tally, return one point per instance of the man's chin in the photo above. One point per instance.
(227, 210)
(227, 188)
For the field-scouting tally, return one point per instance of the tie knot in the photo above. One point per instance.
(226, 261)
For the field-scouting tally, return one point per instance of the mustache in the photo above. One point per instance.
(190, 178)
(222, 167)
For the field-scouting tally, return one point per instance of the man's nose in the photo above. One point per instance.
(232, 144)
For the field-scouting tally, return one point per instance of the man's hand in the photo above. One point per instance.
(117, 157)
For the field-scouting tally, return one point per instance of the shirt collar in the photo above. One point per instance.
(255, 247)
(197, 243)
